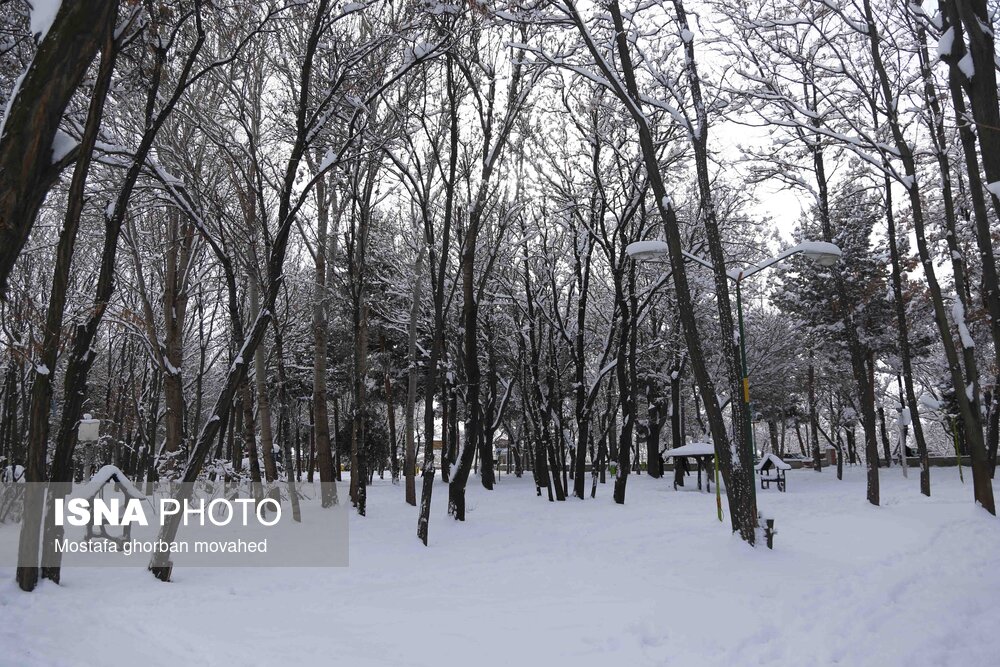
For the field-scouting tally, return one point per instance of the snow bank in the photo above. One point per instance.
(525, 581)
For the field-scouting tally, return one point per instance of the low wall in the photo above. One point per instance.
(911, 461)
(797, 464)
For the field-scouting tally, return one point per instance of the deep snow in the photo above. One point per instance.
(658, 581)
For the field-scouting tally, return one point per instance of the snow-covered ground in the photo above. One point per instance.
(658, 581)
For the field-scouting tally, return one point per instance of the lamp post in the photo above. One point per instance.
(821, 252)
(88, 433)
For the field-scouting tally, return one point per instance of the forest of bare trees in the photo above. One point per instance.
(282, 241)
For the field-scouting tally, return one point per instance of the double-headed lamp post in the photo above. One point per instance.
(821, 252)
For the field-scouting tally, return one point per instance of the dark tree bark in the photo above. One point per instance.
(584, 408)
(27, 172)
(813, 416)
(285, 422)
(981, 88)
(263, 400)
(676, 416)
(537, 422)
(772, 432)
(319, 452)
(886, 446)
(625, 371)
(449, 439)
(41, 390)
(654, 462)
(359, 451)
(410, 457)
(984, 111)
(391, 418)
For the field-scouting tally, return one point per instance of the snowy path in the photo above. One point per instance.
(657, 582)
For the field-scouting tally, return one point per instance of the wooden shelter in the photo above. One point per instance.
(772, 469)
(702, 452)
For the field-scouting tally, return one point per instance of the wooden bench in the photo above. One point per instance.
(777, 477)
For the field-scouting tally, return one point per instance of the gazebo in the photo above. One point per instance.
(772, 469)
(702, 452)
(90, 490)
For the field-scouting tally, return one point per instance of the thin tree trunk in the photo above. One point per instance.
(284, 421)
(263, 401)
(886, 447)
(813, 416)
(410, 463)
(968, 404)
(903, 340)
(319, 445)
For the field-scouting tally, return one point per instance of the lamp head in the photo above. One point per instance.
(821, 252)
(646, 250)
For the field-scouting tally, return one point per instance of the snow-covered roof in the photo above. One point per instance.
(775, 461)
(692, 449)
(105, 475)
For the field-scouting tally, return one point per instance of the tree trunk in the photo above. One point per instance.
(470, 353)
(391, 417)
(78, 30)
(410, 463)
(250, 441)
(886, 448)
(625, 371)
(41, 390)
(320, 443)
(856, 350)
(359, 451)
(284, 421)
(813, 416)
(449, 436)
(968, 405)
(905, 354)
(263, 401)
(654, 462)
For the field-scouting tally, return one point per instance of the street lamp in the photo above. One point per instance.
(821, 252)
(89, 434)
